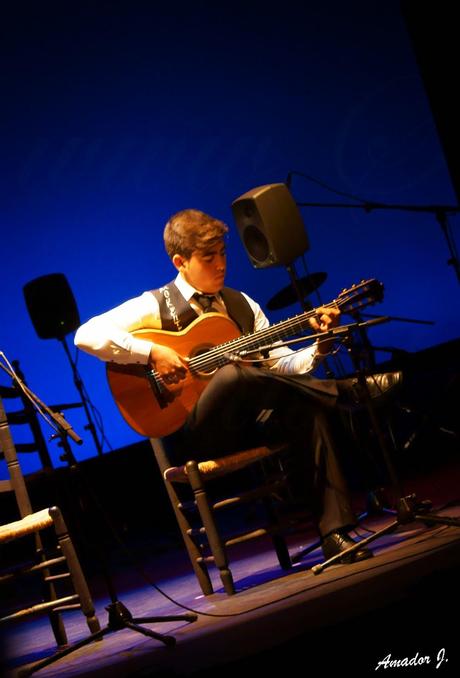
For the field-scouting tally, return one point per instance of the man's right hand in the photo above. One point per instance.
(170, 366)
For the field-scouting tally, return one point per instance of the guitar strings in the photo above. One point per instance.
(261, 361)
(221, 354)
(280, 330)
(217, 357)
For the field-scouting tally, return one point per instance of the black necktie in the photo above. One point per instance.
(206, 301)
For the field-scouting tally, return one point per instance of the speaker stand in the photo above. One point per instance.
(295, 282)
(84, 399)
(306, 306)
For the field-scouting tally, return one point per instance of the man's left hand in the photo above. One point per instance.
(325, 318)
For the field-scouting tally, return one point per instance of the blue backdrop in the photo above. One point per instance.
(117, 114)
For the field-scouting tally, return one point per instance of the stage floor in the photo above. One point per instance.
(347, 618)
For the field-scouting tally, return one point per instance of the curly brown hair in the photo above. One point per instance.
(190, 231)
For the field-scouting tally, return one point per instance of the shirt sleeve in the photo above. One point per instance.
(287, 360)
(108, 336)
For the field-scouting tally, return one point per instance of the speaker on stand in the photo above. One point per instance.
(273, 234)
(272, 230)
(54, 314)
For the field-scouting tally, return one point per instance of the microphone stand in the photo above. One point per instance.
(119, 617)
(327, 334)
(441, 213)
(408, 508)
(343, 332)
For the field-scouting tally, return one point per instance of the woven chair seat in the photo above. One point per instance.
(28, 525)
(41, 558)
(212, 468)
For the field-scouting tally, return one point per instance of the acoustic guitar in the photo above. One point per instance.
(212, 340)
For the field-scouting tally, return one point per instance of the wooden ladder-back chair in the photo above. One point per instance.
(58, 570)
(188, 490)
(27, 414)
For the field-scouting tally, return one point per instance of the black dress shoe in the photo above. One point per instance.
(336, 542)
(379, 386)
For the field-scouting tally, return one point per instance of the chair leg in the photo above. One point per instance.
(279, 542)
(49, 593)
(76, 572)
(282, 551)
(57, 625)
(215, 542)
(194, 553)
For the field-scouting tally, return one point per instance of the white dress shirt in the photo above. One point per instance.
(108, 336)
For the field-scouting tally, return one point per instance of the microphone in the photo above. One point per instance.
(57, 417)
(288, 180)
(64, 424)
(233, 357)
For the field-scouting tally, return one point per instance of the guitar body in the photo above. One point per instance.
(154, 411)
(133, 392)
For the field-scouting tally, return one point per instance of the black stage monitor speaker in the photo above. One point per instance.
(51, 305)
(270, 225)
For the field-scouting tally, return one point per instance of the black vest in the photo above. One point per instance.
(176, 313)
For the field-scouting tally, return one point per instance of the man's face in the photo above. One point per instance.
(204, 270)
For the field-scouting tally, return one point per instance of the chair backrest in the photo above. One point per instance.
(26, 415)
(161, 454)
(16, 481)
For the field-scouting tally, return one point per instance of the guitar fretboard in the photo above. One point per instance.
(222, 354)
(349, 300)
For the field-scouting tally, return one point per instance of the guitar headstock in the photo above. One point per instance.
(360, 295)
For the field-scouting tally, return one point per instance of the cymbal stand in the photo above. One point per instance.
(296, 285)
(408, 508)
(119, 617)
(306, 306)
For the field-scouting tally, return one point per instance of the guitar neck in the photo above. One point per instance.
(222, 354)
(349, 300)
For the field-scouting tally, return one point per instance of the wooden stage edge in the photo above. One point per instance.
(348, 617)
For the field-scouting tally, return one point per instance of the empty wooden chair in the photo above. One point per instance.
(62, 585)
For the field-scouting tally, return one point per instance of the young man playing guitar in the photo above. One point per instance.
(183, 360)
